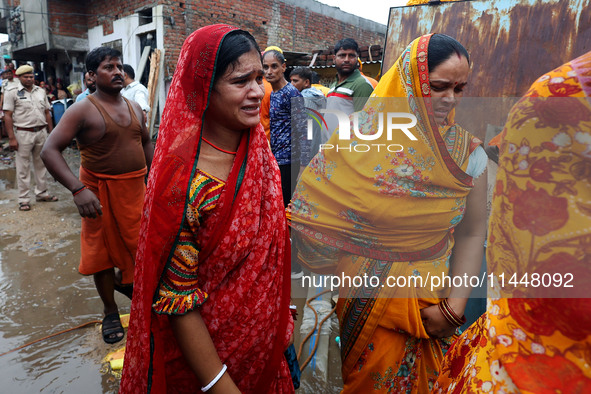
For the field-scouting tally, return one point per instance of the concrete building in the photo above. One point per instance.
(59, 33)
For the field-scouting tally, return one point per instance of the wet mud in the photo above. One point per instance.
(41, 293)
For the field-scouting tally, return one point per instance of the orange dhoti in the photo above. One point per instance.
(111, 240)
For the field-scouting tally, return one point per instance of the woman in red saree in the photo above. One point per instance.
(212, 275)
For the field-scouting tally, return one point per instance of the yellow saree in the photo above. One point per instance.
(540, 223)
(386, 214)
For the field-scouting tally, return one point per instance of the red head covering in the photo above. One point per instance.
(243, 265)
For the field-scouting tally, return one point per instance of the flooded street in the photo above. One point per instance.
(42, 293)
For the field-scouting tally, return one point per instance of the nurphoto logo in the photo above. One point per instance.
(344, 130)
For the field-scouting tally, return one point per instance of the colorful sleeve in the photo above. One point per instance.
(179, 291)
(363, 90)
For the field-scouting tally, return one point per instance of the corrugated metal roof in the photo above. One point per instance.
(511, 42)
(332, 65)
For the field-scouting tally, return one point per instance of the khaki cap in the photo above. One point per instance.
(24, 70)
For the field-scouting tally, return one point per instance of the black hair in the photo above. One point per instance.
(129, 71)
(303, 72)
(315, 77)
(233, 45)
(441, 48)
(346, 43)
(278, 55)
(97, 55)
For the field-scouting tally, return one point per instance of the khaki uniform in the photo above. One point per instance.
(30, 130)
(7, 85)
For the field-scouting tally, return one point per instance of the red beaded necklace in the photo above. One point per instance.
(217, 147)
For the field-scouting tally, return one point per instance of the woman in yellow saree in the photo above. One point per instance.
(530, 340)
(389, 214)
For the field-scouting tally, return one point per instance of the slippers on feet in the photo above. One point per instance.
(47, 198)
(126, 290)
(112, 329)
(23, 206)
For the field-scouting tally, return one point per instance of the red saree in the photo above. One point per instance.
(244, 264)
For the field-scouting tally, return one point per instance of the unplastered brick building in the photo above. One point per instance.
(59, 33)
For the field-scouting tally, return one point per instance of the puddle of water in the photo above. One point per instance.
(7, 178)
(42, 295)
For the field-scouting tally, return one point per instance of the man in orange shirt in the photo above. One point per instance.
(265, 107)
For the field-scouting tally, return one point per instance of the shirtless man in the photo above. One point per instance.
(115, 151)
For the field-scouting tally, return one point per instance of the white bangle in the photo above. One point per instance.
(215, 380)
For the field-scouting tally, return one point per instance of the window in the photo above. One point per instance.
(145, 16)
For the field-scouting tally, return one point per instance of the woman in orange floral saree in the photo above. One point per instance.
(394, 213)
(540, 231)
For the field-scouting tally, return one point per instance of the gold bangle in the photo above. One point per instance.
(450, 315)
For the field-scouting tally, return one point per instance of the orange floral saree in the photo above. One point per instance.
(540, 224)
(386, 214)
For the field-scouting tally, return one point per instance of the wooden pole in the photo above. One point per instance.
(142, 64)
(153, 84)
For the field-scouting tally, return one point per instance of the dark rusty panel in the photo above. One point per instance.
(511, 42)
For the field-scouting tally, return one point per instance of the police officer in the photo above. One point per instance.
(28, 122)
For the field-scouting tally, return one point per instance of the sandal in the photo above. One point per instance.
(47, 198)
(23, 206)
(112, 328)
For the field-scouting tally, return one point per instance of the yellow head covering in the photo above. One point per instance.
(368, 202)
(273, 48)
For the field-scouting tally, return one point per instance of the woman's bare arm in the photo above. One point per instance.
(196, 345)
(466, 259)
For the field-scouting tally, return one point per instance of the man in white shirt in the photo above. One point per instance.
(135, 91)
(8, 82)
(90, 87)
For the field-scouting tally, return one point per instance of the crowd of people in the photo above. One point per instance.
(31, 107)
(237, 189)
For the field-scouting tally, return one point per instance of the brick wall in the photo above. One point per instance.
(103, 13)
(271, 22)
(68, 18)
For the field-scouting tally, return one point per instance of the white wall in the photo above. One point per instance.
(35, 22)
(127, 30)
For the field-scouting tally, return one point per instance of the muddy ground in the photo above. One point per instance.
(41, 293)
